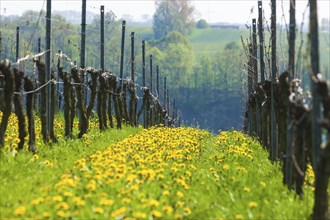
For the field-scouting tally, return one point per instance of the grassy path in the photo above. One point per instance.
(159, 173)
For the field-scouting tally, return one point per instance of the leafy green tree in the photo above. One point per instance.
(226, 70)
(174, 15)
(181, 60)
(202, 24)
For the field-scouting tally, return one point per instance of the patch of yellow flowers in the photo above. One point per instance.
(144, 176)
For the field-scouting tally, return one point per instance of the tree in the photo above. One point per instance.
(174, 15)
(181, 60)
(202, 24)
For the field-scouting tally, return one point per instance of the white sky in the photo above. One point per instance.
(234, 11)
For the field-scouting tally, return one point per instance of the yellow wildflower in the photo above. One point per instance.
(62, 205)
(187, 210)
(238, 216)
(167, 209)
(156, 214)
(98, 210)
(252, 204)
(20, 211)
(139, 215)
(225, 167)
(57, 199)
(179, 194)
(106, 202)
(62, 214)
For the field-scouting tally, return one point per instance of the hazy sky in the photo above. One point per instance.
(234, 11)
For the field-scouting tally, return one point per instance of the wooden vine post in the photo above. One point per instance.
(273, 138)
(8, 98)
(320, 158)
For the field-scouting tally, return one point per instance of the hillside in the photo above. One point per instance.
(207, 42)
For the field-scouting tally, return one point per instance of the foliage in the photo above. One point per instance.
(159, 173)
(176, 15)
(202, 24)
(182, 61)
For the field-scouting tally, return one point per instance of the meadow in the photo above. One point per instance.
(134, 173)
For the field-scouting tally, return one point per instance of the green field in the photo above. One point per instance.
(207, 42)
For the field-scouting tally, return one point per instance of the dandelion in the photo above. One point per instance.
(225, 167)
(46, 214)
(252, 204)
(187, 210)
(35, 157)
(62, 214)
(68, 194)
(166, 193)
(179, 194)
(126, 200)
(20, 211)
(179, 204)
(98, 210)
(106, 202)
(57, 199)
(178, 216)
(91, 185)
(167, 209)
(246, 189)
(139, 215)
(119, 212)
(62, 205)
(156, 214)
(78, 201)
(238, 216)
(37, 201)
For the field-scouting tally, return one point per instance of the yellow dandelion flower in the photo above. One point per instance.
(153, 202)
(167, 209)
(179, 194)
(225, 167)
(187, 210)
(20, 211)
(156, 214)
(252, 204)
(35, 157)
(166, 193)
(57, 199)
(37, 201)
(178, 216)
(91, 185)
(62, 205)
(179, 204)
(119, 212)
(238, 216)
(126, 200)
(46, 214)
(62, 214)
(78, 201)
(106, 202)
(98, 210)
(68, 194)
(246, 189)
(139, 215)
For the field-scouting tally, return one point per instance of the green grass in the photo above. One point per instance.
(207, 42)
(158, 173)
(23, 177)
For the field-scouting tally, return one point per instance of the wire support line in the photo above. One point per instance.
(30, 57)
(36, 90)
